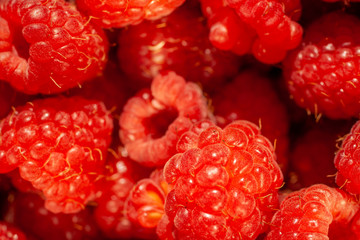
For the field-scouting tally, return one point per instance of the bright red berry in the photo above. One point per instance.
(120, 13)
(179, 43)
(251, 96)
(225, 184)
(317, 212)
(59, 145)
(152, 121)
(47, 46)
(323, 73)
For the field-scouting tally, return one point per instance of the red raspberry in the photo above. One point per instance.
(145, 203)
(177, 43)
(263, 27)
(47, 46)
(347, 161)
(323, 74)
(152, 121)
(120, 13)
(318, 212)
(251, 96)
(10, 98)
(59, 145)
(10, 232)
(27, 211)
(225, 184)
(112, 191)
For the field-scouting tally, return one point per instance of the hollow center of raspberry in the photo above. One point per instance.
(157, 125)
(20, 44)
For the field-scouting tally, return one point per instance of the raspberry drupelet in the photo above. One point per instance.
(120, 13)
(10, 232)
(265, 28)
(152, 121)
(323, 73)
(59, 145)
(225, 184)
(179, 43)
(317, 212)
(47, 46)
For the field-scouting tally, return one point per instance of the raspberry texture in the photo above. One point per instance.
(323, 73)
(263, 27)
(47, 46)
(225, 183)
(152, 121)
(10, 232)
(120, 13)
(25, 208)
(179, 43)
(347, 161)
(318, 212)
(111, 192)
(59, 145)
(251, 96)
(144, 205)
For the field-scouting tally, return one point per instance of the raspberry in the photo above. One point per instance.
(152, 121)
(250, 96)
(25, 208)
(112, 191)
(9, 98)
(263, 27)
(177, 43)
(317, 212)
(116, 14)
(59, 145)
(10, 232)
(347, 161)
(225, 184)
(145, 203)
(322, 75)
(47, 46)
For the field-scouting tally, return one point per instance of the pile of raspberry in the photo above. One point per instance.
(179, 119)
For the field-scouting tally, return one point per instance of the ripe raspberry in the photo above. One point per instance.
(47, 46)
(152, 121)
(59, 145)
(318, 212)
(322, 75)
(145, 203)
(177, 43)
(120, 13)
(9, 98)
(10, 232)
(347, 161)
(225, 184)
(264, 27)
(112, 190)
(251, 96)
(26, 208)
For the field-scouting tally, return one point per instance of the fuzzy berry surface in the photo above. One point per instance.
(322, 74)
(252, 96)
(10, 232)
(48, 46)
(317, 212)
(225, 183)
(153, 120)
(121, 13)
(25, 208)
(178, 42)
(59, 145)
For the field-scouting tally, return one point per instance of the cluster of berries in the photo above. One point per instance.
(179, 119)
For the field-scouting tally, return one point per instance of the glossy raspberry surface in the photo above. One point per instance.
(178, 42)
(59, 145)
(322, 74)
(225, 184)
(48, 46)
(312, 213)
(120, 13)
(152, 121)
